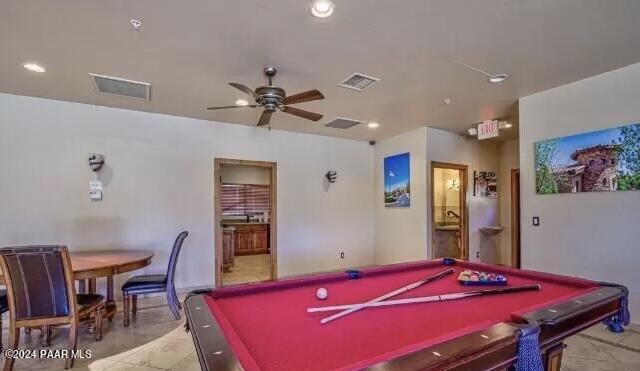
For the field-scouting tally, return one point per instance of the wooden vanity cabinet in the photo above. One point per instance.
(260, 240)
(228, 248)
(252, 239)
(243, 241)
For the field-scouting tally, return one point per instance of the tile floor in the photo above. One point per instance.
(157, 342)
(154, 342)
(249, 268)
(598, 349)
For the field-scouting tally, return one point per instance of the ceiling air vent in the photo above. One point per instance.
(121, 87)
(342, 123)
(358, 81)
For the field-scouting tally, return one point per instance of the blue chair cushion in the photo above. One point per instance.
(4, 304)
(146, 282)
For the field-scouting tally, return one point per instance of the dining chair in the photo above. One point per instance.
(4, 306)
(153, 283)
(41, 293)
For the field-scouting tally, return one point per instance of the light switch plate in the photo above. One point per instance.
(95, 195)
(536, 221)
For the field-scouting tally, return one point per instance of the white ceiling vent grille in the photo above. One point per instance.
(358, 81)
(121, 87)
(342, 123)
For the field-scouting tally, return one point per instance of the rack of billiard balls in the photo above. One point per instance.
(469, 277)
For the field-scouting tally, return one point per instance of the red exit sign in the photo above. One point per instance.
(488, 129)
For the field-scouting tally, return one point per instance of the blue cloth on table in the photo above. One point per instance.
(617, 322)
(529, 357)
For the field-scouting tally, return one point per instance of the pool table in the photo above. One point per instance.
(265, 326)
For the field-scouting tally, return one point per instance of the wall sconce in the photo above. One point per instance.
(331, 176)
(453, 184)
(96, 161)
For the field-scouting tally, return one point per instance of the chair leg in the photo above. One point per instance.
(125, 299)
(14, 340)
(134, 306)
(73, 341)
(1, 332)
(175, 297)
(46, 335)
(98, 322)
(173, 305)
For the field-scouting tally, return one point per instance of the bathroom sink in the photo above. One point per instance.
(447, 227)
(492, 230)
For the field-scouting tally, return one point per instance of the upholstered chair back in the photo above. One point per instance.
(37, 279)
(175, 251)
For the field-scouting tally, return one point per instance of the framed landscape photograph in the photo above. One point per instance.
(605, 160)
(397, 180)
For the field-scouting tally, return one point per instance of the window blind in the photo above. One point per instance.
(245, 199)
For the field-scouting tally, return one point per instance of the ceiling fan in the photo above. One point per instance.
(274, 97)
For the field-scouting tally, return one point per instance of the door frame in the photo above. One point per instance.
(515, 219)
(219, 163)
(464, 183)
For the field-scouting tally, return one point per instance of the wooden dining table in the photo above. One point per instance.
(88, 266)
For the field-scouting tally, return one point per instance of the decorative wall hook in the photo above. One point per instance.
(331, 176)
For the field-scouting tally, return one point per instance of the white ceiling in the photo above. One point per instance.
(190, 49)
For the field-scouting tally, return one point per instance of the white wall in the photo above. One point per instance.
(404, 234)
(594, 235)
(159, 181)
(509, 160)
(401, 233)
(445, 146)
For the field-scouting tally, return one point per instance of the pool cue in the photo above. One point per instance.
(391, 294)
(427, 299)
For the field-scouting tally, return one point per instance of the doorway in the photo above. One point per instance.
(245, 221)
(515, 218)
(449, 213)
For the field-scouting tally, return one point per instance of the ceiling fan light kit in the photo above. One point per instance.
(273, 98)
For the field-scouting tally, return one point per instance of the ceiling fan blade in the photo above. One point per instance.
(302, 113)
(265, 117)
(305, 96)
(226, 107)
(244, 89)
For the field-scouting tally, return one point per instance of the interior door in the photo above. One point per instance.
(449, 218)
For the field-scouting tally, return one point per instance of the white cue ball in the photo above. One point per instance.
(322, 293)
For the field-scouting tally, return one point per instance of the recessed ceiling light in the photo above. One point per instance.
(322, 8)
(372, 125)
(33, 67)
(448, 101)
(242, 102)
(498, 78)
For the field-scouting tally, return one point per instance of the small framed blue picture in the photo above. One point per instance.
(397, 181)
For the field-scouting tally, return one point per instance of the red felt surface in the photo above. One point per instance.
(269, 328)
